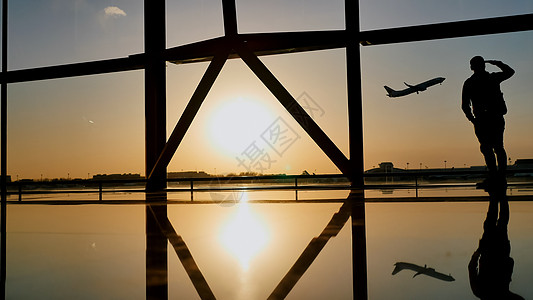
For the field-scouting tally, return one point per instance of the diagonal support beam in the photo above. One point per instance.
(185, 256)
(190, 112)
(311, 252)
(292, 106)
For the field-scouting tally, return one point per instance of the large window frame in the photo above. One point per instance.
(233, 45)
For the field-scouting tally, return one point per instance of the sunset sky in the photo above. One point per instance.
(79, 127)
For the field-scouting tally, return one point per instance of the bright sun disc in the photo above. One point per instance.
(236, 123)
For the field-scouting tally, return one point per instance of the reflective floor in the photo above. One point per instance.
(252, 249)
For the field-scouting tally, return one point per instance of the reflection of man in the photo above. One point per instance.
(483, 105)
(491, 267)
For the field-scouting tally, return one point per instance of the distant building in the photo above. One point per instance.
(188, 174)
(385, 167)
(128, 176)
(523, 163)
(521, 168)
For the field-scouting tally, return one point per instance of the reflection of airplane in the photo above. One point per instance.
(421, 270)
(414, 88)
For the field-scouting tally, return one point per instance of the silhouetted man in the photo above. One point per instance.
(483, 105)
(490, 269)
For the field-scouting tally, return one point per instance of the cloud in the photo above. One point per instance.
(113, 11)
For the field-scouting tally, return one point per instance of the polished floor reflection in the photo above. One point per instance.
(249, 249)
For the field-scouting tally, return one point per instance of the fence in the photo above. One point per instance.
(409, 179)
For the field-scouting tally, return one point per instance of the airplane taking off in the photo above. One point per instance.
(421, 270)
(414, 88)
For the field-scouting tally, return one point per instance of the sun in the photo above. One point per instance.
(237, 122)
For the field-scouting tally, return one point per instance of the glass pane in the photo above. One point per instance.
(231, 127)
(293, 15)
(77, 127)
(44, 33)
(191, 21)
(392, 13)
(317, 80)
(429, 129)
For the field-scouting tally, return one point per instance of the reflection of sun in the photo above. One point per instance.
(237, 122)
(244, 235)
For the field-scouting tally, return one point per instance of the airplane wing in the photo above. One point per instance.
(399, 266)
(432, 273)
(418, 88)
(393, 93)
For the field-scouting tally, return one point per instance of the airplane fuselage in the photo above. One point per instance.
(414, 88)
(399, 266)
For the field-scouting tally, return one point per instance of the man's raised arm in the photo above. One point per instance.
(506, 72)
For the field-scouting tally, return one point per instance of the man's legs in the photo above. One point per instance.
(489, 132)
(490, 158)
(502, 160)
(499, 128)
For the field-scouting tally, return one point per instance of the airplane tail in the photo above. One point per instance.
(389, 91)
(397, 268)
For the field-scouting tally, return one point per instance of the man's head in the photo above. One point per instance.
(477, 64)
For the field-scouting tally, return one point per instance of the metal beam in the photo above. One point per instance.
(261, 44)
(156, 251)
(359, 257)
(155, 137)
(292, 106)
(355, 129)
(355, 95)
(280, 43)
(447, 30)
(189, 113)
(73, 70)
(230, 17)
(3, 155)
(290, 42)
(155, 91)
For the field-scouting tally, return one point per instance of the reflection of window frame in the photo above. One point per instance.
(261, 44)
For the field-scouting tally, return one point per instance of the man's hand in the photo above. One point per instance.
(472, 265)
(493, 62)
(507, 71)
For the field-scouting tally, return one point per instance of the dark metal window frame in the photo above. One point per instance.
(248, 47)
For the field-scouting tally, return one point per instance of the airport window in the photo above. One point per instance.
(241, 88)
(76, 127)
(438, 118)
(87, 33)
